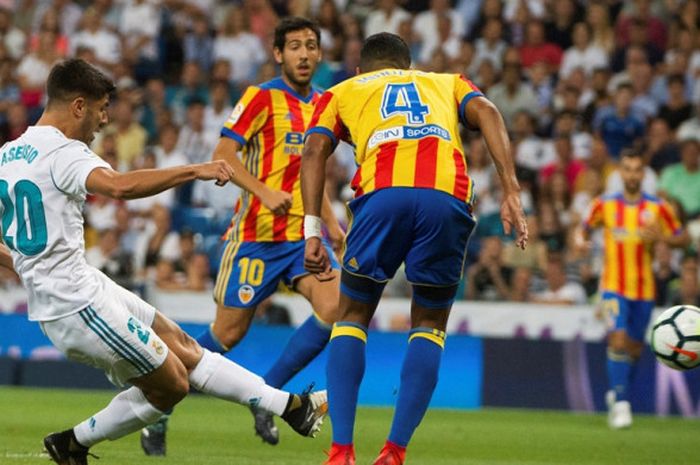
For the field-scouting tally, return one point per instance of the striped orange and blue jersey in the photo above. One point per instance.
(627, 262)
(404, 125)
(269, 122)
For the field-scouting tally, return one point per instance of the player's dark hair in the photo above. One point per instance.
(384, 50)
(77, 78)
(632, 153)
(292, 24)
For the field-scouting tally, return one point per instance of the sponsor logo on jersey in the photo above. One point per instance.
(246, 293)
(236, 114)
(407, 132)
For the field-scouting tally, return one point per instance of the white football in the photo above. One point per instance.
(675, 337)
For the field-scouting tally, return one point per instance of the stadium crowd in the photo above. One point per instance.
(578, 82)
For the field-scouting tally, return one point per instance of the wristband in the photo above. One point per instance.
(312, 226)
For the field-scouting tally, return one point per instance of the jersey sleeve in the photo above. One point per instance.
(71, 167)
(326, 119)
(670, 224)
(248, 116)
(464, 91)
(594, 217)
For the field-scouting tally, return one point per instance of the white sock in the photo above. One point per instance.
(129, 411)
(220, 377)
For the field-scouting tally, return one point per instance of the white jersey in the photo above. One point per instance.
(42, 192)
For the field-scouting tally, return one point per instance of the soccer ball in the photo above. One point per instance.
(675, 338)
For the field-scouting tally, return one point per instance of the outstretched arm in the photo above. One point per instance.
(313, 177)
(145, 183)
(483, 114)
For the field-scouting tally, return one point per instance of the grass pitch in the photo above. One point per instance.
(208, 431)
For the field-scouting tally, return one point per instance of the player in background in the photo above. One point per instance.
(412, 204)
(632, 222)
(45, 175)
(264, 244)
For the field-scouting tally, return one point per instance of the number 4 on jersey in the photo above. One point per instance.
(404, 99)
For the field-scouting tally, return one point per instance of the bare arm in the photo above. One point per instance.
(483, 114)
(313, 176)
(5, 257)
(335, 232)
(144, 183)
(277, 201)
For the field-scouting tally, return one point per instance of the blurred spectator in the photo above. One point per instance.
(153, 107)
(236, 44)
(536, 49)
(598, 96)
(681, 181)
(690, 128)
(598, 17)
(101, 212)
(426, 24)
(565, 163)
(198, 44)
(560, 28)
(582, 54)
(490, 46)
(661, 148)
(489, 10)
(33, 70)
(186, 270)
(130, 136)
(445, 41)
(531, 152)
(67, 15)
(551, 231)
(654, 27)
(688, 292)
(261, 18)
(9, 90)
(520, 285)
(637, 38)
(512, 94)
(533, 258)
(156, 241)
(559, 290)
(140, 27)
(108, 257)
(486, 186)
(664, 273)
(676, 109)
(166, 152)
(16, 122)
(618, 127)
(488, 278)
(11, 36)
(351, 60)
(93, 35)
(219, 108)
(190, 86)
(386, 17)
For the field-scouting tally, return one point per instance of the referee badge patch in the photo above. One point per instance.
(246, 293)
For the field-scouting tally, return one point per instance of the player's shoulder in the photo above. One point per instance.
(610, 197)
(647, 197)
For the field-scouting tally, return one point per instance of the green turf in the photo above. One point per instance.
(208, 431)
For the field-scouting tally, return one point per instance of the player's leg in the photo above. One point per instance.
(419, 373)
(311, 337)
(230, 326)
(619, 362)
(434, 264)
(109, 337)
(376, 245)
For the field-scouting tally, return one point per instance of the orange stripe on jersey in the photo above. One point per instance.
(356, 183)
(426, 162)
(385, 165)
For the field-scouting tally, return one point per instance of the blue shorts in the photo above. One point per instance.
(632, 316)
(425, 228)
(250, 272)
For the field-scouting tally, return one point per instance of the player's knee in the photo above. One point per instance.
(360, 288)
(327, 311)
(433, 297)
(617, 342)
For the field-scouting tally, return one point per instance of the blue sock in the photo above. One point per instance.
(209, 341)
(419, 376)
(305, 344)
(619, 370)
(345, 369)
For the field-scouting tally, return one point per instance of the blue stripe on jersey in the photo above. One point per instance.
(135, 353)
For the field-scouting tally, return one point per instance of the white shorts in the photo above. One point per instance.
(113, 334)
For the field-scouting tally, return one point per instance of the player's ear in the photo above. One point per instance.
(357, 70)
(278, 55)
(78, 107)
